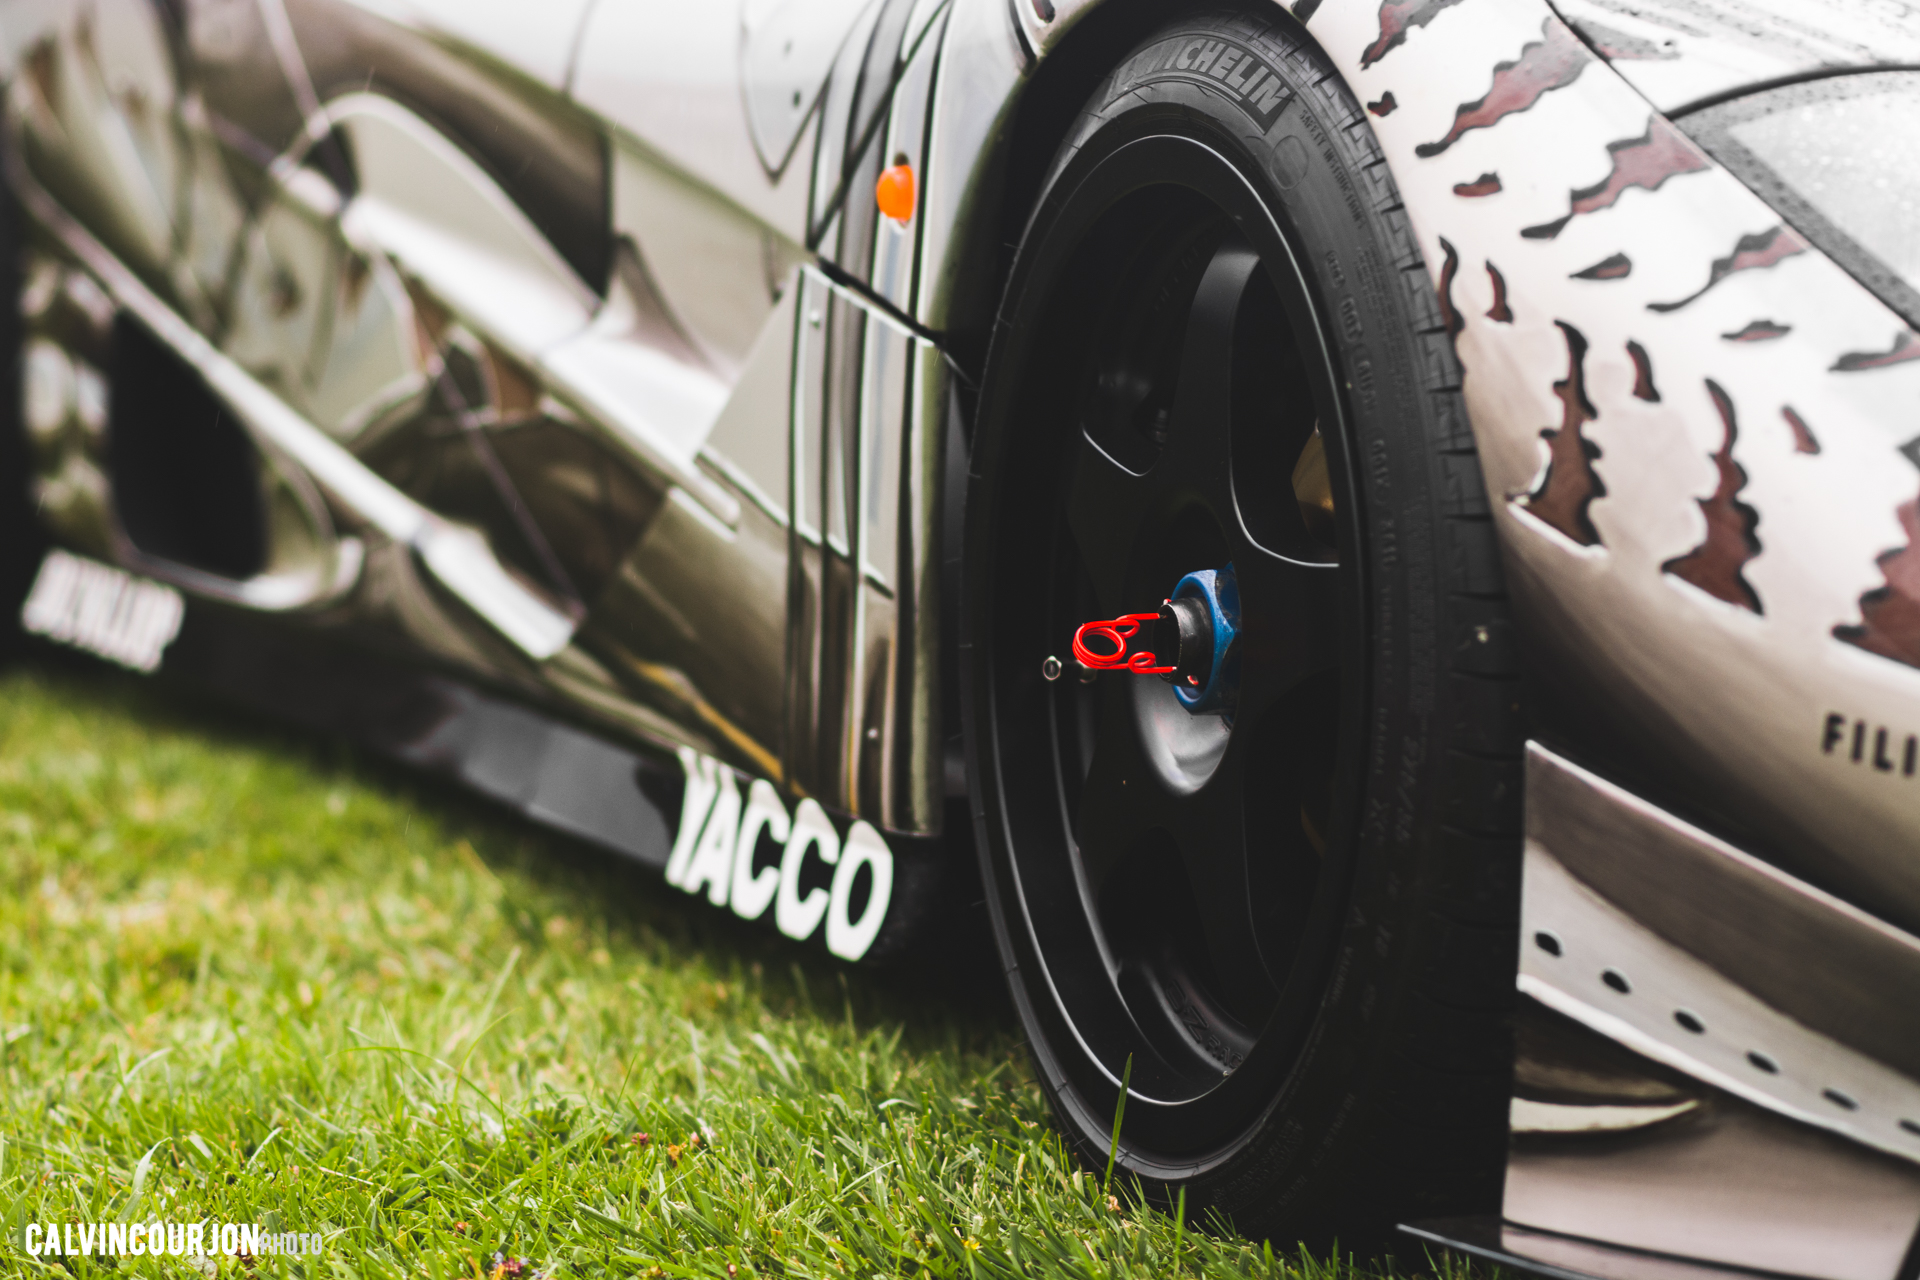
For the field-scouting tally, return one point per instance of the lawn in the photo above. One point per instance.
(252, 977)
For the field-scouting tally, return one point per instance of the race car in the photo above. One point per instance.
(1384, 535)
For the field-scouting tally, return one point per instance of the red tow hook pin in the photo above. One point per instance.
(1117, 632)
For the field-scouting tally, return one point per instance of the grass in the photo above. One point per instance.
(251, 977)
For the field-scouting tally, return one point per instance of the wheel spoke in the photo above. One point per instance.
(1287, 819)
(1126, 811)
(1290, 626)
(1104, 510)
(1200, 422)
(1121, 798)
(1201, 848)
(1213, 839)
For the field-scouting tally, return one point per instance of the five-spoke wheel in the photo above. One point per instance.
(1173, 854)
(1212, 842)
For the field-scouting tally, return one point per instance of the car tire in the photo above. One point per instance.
(1288, 926)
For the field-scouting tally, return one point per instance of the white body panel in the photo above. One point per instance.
(1739, 696)
(538, 40)
(669, 75)
(1681, 52)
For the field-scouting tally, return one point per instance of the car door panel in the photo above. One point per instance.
(423, 202)
(695, 621)
(575, 338)
(788, 47)
(667, 75)
(711, 187)
(607, 504)
(591, 489)
(718, 269)
(864, 618)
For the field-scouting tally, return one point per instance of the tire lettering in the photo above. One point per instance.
(1363, 377)
(1272, 96)
(1241, 74)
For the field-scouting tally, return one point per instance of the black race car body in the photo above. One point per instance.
(543, 395)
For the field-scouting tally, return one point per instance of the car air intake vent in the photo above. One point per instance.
(186, 476)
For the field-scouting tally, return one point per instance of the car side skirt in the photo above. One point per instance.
(818, 875)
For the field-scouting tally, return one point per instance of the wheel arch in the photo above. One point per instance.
(997, 180)
(1062, 61)
(966, 266)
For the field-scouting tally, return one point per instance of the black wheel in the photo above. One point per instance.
(1275, 892)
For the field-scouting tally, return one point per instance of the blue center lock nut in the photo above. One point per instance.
(1198, 628)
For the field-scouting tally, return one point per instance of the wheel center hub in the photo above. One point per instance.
(1194, 642)
(1199, 629)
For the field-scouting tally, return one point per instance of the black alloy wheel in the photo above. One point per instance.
(1203, 892)
(1238, 888)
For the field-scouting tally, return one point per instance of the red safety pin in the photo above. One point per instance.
(1117, 631)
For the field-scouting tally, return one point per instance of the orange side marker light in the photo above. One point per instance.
(895, 193)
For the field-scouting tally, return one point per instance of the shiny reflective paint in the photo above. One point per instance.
(1686, 593)
(514, 348)
(574, 358)
(1695, 429)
